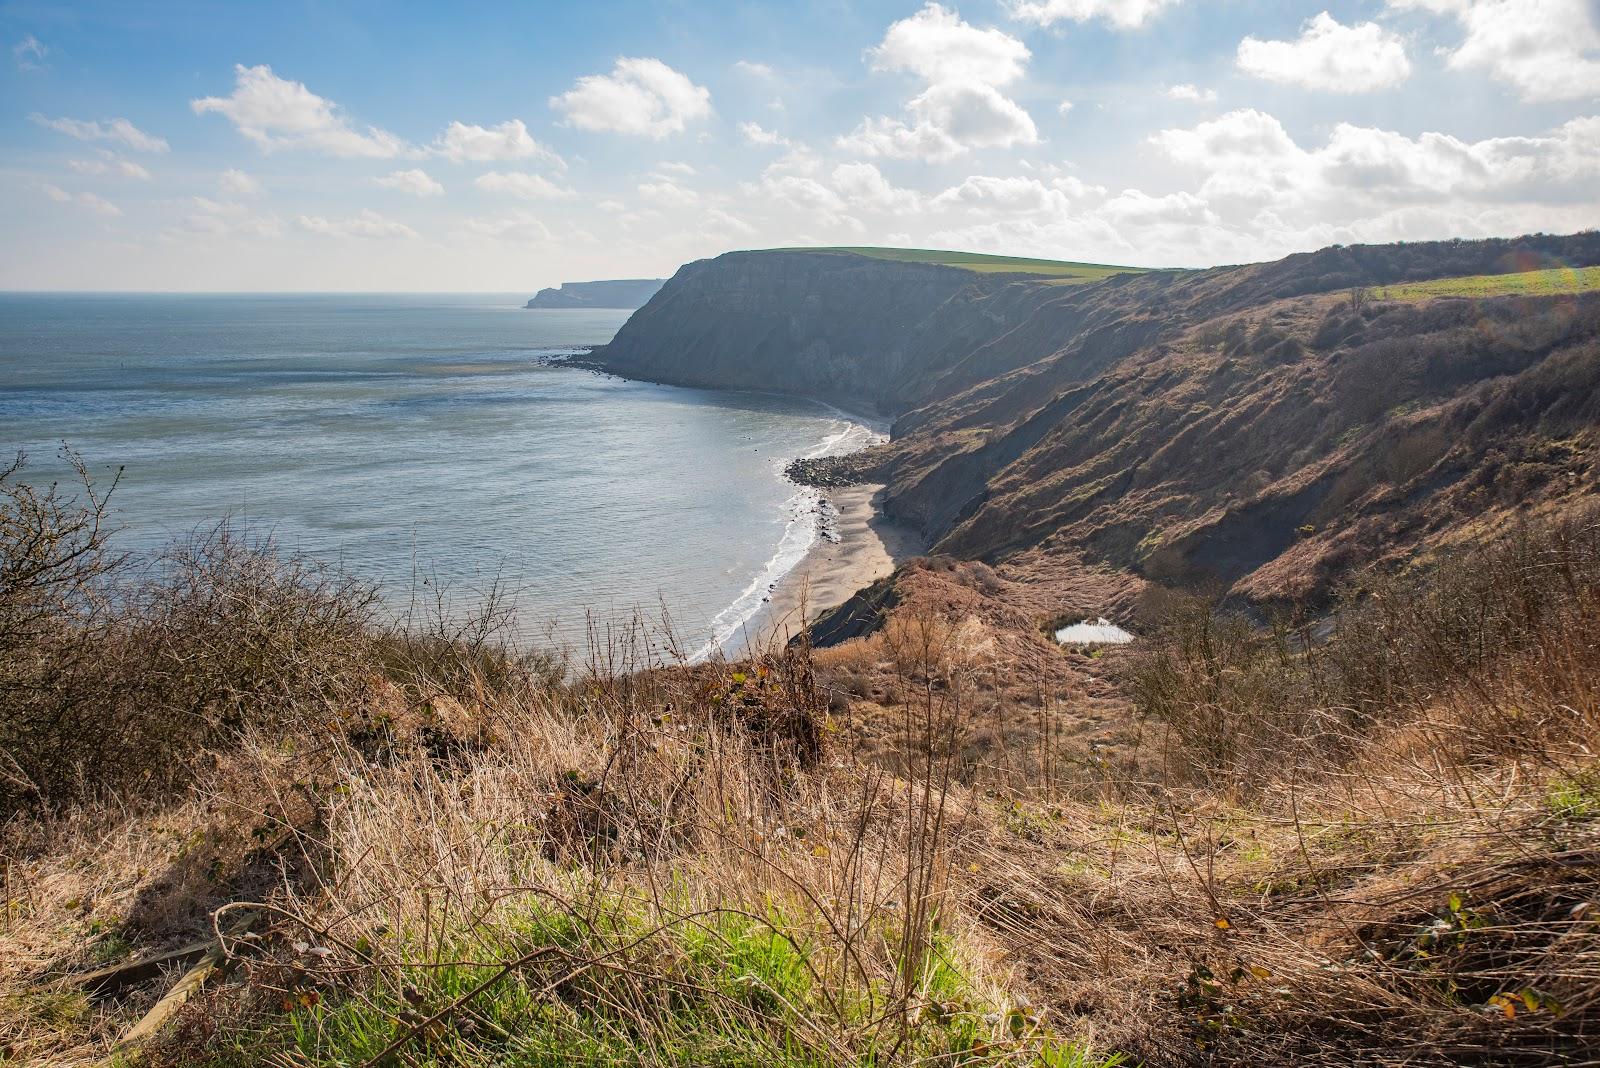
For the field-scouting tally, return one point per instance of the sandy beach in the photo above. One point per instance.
(868, 547)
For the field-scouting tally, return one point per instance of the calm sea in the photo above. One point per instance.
(419, 439)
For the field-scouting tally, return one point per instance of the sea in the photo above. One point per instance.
(437, 446)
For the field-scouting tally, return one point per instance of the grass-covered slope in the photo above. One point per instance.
(1062, 271)
(1549, 282)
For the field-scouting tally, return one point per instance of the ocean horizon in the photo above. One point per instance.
(433, 444)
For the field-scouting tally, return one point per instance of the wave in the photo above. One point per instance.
(800, 534)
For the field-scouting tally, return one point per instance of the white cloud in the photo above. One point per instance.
(519, 226)
(1545, 49)
(462, 142)
(520, 185)
(367, 223)
(719, 221)
(96, 204)
(1016, 195)
(415, 181)
(29, 53)
(211, 218)
(863, 185)
(937, 46)
(1329, 55)
(1260, 195)
(755, 70)
(754, 134)
(668, 194)
(806, 195)
(961, 108)
(1192, 92)
(676, 167)
(949, 119)
(120, 130)
(1124, 14)
(237, 183)
(277, 113)
(644, 97)
(109, 163)
(1254, 169)
(1064, 107)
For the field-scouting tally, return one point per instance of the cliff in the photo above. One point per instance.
(1263, 428)
(612, 293)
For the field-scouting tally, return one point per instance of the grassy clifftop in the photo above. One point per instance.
(1062, 271)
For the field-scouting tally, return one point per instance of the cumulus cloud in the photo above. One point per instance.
(518, 226)
(29, 53)
(936, 45)
(366, 224)
(1372, 184)
(119, 130)
(816, 201)
(415, 181)
(962, 107)
(277, 113)
(666, 194)
(1545, 49)
(754, 134)
(863, 185)
(1331, 56)
(1124, 14)
(1016, 195)
(462, 142)
(718, 221)
(1193, 93)
(96, 204)
(520, 185)
(213, 218)
(672, 166)
(237, 183)
(109, 163)
(640, 96)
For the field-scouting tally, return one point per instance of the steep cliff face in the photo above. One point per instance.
(836, 326)
(1255, 427)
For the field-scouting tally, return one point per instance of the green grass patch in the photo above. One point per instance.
(1059, 271)
(1553, 282)
(719, 989)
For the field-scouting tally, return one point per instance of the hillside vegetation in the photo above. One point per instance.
(1338, 804)
(1550, 282)
(1063, 272)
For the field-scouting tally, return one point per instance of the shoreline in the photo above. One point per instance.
(850, 542)
(869, 547)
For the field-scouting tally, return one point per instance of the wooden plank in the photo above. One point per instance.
(209, 965)
(111, 981)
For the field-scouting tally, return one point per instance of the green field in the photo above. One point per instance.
(1060, 270)
(1555, 281)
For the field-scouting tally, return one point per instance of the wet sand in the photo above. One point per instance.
(868, 548)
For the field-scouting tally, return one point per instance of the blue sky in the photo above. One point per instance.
(505, 147)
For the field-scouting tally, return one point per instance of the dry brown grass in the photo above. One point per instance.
(1383, 848)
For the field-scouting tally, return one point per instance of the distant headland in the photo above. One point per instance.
(613, 293)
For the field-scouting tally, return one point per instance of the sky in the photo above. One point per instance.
(299, 146)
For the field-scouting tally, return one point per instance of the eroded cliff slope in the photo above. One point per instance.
(1264, 428)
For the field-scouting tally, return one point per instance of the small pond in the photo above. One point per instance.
(1100, 632)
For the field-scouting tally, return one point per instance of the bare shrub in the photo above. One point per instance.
(1242, 704)
(114, 677)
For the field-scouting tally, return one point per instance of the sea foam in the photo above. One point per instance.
(799, 536)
